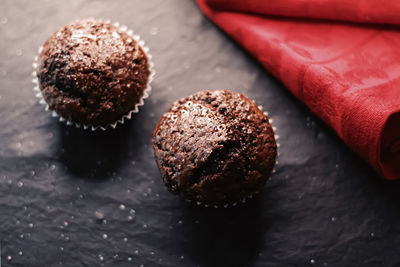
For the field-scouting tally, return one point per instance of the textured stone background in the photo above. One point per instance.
(73, 198)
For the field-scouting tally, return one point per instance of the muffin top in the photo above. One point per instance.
(216, 147)
(92, 72)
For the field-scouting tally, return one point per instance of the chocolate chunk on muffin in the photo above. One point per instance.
(214, 147)
(92, 72)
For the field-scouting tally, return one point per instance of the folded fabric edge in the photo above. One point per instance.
(389, 160)
(341, 12)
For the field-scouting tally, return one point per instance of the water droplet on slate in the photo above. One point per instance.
(154, 31)
(105, 236)
(99, 215)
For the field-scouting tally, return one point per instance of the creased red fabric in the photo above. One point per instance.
(346, 73)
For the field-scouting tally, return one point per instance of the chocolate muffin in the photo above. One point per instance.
(214, 147)
(92, 72)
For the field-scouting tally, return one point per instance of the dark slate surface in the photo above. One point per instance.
(323, 206)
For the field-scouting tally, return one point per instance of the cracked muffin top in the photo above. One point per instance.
(215, 147)
(92, 72)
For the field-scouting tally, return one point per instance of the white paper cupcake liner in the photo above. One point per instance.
(245, 199)
(128, 116)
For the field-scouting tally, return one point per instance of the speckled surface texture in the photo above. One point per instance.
(215, 147)
(74, 198)
(92, 72)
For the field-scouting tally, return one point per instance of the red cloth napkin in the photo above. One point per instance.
(347, 73)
